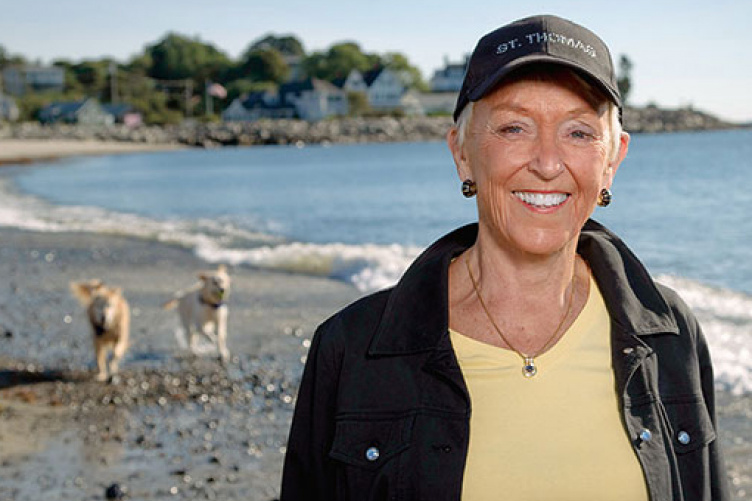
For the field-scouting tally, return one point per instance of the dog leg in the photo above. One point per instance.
(117, 354)
(101, 354)
(224, 353)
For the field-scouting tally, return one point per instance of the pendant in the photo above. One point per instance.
(529, 369)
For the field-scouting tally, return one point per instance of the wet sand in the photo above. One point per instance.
(171, 426)
(20, 151)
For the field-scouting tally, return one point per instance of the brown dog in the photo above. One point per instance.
(202, 310)
(109, 317)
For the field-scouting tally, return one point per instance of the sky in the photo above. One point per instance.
(684, 52)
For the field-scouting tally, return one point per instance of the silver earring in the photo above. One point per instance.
(605, 197)
(469, 188)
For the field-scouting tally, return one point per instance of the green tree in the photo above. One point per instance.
(239, 87)
(411, 76)
(287, 45)
(339, 61)
(624, 77)
(177, 57)
(357, 104)
(264, 65)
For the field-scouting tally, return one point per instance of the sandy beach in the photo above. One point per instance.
(170, 426)
(19, 151)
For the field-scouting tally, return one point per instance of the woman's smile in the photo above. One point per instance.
(542, 200)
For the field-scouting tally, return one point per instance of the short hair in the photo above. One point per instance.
(572, 80)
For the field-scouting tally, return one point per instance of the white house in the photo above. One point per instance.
(314, 99)
(385, 89)
(17, 80)
(449, 78)
(354, 82)
(8, 109)
(88, 112)
(257, 105)
(311, 99)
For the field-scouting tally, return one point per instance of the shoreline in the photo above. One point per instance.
(26, 151)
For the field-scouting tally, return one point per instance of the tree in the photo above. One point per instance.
(411, 76)
(264, 65)
(177, 57)
(287, 45)
(339, 61)
(624, 77)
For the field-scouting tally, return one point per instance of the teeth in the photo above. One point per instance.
(541, 199)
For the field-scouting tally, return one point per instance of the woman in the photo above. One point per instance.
(529, 356)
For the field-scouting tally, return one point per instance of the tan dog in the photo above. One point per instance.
(202, 309)
(109, 317)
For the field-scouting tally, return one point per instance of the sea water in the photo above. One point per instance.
(361, 213)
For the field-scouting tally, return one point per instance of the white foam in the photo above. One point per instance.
(726, 320)
(368, 267)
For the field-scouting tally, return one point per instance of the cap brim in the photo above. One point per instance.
(490, 83)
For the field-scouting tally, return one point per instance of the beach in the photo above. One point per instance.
(171, 425)
(19, 151)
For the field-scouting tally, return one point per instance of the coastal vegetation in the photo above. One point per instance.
(167, 80)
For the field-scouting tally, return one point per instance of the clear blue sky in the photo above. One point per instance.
(684, 52)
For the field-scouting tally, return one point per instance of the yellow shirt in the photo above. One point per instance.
(556, 436)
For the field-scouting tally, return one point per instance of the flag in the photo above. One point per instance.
(216, 90)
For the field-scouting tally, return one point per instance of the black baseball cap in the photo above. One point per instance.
(537, 39)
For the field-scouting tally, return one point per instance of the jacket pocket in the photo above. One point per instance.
(691, 426)
(368, 451)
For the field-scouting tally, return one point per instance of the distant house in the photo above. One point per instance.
(438, 103)
(88, 112)
(9, 111)
(385, 89)
(257, 105)
(449, 78)
(124, 113)
(18, 80)
(310, 99)
(314, 99)
(353, 82)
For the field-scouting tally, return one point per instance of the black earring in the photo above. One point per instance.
(469, 188)
(605, 197)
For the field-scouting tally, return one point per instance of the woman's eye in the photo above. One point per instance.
(581, 134)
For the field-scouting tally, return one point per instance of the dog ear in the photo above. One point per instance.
(222, 268)
(82, 290)
(203, 276)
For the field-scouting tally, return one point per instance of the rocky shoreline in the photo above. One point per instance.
(339, 131)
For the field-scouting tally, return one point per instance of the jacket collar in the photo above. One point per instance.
(416, 315)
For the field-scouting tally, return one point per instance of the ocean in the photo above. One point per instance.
(361, 213)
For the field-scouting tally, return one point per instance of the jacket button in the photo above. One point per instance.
(646, 435)
(683, 437)
(372, 454)
(628, 351)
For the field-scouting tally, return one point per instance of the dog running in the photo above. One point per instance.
(202, 310)
(109, 318)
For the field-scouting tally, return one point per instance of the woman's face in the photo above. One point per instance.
(539, 154)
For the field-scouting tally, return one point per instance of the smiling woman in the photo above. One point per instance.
(528, 354)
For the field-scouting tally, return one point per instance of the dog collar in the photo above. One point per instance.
(208, 303)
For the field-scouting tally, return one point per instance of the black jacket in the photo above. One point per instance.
(383, 411)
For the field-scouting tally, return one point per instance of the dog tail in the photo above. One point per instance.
(170, 304)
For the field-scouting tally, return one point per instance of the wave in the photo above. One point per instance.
(725, 315)
(726, 320)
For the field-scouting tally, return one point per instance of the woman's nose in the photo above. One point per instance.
(546, 161)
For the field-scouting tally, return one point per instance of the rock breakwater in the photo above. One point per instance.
(345, 130)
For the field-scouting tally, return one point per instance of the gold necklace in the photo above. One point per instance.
(528, 368)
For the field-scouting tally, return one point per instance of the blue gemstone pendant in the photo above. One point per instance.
(529, 369)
